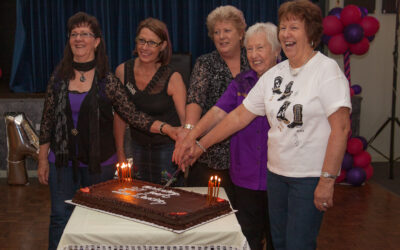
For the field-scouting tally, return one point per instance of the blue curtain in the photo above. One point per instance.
(41, 30)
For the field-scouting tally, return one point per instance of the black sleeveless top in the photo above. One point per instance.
(153, 100)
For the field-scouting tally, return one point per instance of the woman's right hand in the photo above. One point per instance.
(43, 171)
(183, 152)
(171, 131)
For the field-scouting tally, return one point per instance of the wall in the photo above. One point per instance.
(374, 73)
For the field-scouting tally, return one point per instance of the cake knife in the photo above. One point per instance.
(169, 182)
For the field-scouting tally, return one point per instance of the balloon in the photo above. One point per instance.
(353, 33)
(356, 176)
(363, 140)
(350, 14)
(347, 162)
(325, 39)
(360, 48)
(337, 44)
(357, 89)
(332, 25)
(352, 92)
(341, 177)
(370, 25)
(364, 11)
(354, 146)
(369, 170)
(335, 12)
(362, 159)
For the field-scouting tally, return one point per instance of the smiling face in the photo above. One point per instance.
(226, 37)
(83, 43)
(259, 53)
(146, 52)
(294, 40)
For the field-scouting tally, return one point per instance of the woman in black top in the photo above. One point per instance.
(77, 146)
(160, 93)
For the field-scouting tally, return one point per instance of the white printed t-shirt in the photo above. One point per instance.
(297, 108)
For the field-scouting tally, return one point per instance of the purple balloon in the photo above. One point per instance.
(347, 163)
(325, 39)
(364, 11)
(335, 12)
(364, 141)
(370, 38)
(357, 89)
(353, 33)
(356, 176)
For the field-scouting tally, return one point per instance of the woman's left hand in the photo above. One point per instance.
(323, 194)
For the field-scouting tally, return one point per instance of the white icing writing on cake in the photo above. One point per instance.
(148, 193)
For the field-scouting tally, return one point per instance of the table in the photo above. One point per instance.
(88, 229)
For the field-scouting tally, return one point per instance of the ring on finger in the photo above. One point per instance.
(324, 204)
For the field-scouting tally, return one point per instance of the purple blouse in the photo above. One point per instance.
(76, 100)
(248, 147)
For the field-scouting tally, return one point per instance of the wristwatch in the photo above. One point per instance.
(328, 175)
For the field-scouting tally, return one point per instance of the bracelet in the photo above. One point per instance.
(161, 127)
(328, 175)
(188, 126)
(200, 146)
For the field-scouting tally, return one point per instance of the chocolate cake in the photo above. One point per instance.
(169, 207)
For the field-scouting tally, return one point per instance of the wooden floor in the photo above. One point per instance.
(366, 217)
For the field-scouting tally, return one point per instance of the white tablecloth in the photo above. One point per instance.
(88, 229)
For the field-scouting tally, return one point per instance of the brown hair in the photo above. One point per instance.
(65, 69)
(226, 13)
(307, 11)
(160, 29)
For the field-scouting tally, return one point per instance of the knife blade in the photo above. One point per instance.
(169, 182)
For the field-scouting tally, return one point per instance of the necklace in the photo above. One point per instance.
(296, 71)
(82, 68)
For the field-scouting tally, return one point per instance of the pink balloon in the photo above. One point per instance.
(360, 48)
(369, 170)
(350, 14)
(332, 25)
(354, 146)
(362, 159)
(341, 177)
(370, 25)
(352, 92)
(337, 44)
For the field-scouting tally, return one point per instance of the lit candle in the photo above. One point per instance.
(219, 182)
(210, 190)
(215, 186)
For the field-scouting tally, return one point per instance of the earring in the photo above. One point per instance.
(312, 44)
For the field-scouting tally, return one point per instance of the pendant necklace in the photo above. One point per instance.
(296, 71)
(82, 68)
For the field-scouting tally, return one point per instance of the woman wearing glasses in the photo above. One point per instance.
(77, 147)
(158, 91)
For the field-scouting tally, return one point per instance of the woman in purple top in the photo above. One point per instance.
(77, 147)
(248, 147)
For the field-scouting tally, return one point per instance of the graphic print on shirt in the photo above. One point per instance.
(277, 85)
(297, 108)
(288, 91)
(281, 113)
(297, 116)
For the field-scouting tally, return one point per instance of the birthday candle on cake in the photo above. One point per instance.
(219, 182)
(118, 172)
(215, 186)
(210, 188)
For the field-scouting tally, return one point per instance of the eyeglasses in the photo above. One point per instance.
(150, 43)
(83, 35)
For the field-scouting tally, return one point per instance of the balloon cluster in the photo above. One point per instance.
(347, 31)
(356, 165)
(350, 29)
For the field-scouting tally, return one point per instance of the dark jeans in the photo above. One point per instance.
(252, 206)
(199, 175)
(64, 188)
(154, 163)
(295, 221)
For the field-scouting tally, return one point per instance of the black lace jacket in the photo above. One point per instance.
(209, 80)
(111, 88)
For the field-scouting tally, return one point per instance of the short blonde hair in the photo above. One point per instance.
(270, 31)
(226, 13)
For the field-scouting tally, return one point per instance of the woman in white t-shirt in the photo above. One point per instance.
(307, 101)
